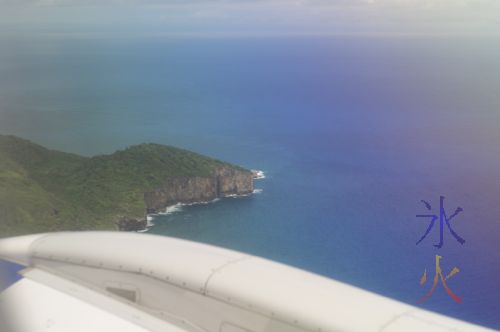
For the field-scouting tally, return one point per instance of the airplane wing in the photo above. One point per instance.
(130, 282)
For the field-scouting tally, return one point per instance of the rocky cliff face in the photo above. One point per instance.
(225, 181)
(131, 224)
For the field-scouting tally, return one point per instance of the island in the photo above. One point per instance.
(43, 190)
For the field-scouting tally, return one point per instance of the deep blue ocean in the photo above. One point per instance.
(351, 132)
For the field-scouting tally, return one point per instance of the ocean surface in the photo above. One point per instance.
(352, 133)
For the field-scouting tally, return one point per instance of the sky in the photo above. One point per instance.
(250, 17)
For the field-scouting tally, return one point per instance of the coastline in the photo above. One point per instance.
(257, 175)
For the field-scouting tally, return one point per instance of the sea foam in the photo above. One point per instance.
(258, 174)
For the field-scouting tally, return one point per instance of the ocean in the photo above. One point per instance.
(351, 132)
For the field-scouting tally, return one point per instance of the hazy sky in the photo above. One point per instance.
(251, 17)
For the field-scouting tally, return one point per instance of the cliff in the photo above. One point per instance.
(223, 182)
(46, 190)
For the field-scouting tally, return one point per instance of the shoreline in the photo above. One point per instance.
(257, 175)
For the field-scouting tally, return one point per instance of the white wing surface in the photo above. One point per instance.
(113, 281)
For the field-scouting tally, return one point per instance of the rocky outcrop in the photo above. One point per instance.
(232, 181)
(131, 224)
(225, 181)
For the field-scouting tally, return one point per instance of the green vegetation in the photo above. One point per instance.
(45, 190)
